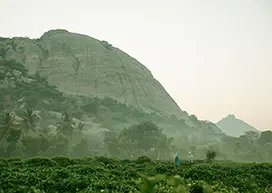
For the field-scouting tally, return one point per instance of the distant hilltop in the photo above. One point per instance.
(234, 127)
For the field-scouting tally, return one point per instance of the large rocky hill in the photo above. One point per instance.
(66, 93)
(81, 65)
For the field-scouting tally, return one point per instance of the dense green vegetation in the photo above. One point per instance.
(102, 174)
(142, 139)
(38, 120)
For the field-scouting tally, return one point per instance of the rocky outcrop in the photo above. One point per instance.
(81, 65)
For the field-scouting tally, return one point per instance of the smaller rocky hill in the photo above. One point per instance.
(234, 127)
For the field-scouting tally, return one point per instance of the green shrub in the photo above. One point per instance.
(196, 188)
(10, 160)
(106, 160)
(3, 163)
(143, 159)
(63, 161)
(40, 162)
(211, 155)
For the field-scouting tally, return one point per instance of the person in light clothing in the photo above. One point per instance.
(190, 157)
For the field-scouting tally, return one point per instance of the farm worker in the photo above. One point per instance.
(177, 160)
(190, 157)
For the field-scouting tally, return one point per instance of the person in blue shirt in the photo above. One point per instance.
(177, 160)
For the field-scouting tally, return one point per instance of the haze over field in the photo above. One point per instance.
(213, 57)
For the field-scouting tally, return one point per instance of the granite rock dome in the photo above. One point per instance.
(80, 65)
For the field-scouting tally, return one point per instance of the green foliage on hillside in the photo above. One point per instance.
(19, 88)
(139, 140)
(36, 119)
(26, 104)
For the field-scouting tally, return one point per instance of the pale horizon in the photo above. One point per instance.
(213, 58)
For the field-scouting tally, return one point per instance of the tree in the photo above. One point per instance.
(68, 128)
(10, 132)
(210, 155)
(58, 146)
(12, 138)
(30, 119)
(65, 126)
(31, 145)
(265, 137)
(112, 143)
(7, 124)
(137, 140)
(81, 149)
(146, 135)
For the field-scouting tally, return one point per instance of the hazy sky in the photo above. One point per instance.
(213, 56)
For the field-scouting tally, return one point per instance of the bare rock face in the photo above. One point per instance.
(80, 65)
